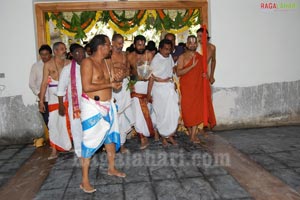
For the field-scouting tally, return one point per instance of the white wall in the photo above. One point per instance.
(18, 50)
(254, 46)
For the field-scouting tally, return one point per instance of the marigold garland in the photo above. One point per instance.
(160, 20)
(121, 29)
(73, 31)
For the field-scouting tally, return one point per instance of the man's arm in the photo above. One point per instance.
(131, 67)
(117, 72)
(213, 65)
(32, 80)
(127, 67)
(43, 88)
(63, 83)
(149, 89)
(181, 70)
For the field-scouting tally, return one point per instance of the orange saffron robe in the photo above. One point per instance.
(192, 97)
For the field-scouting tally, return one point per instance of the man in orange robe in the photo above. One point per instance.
(192, 82)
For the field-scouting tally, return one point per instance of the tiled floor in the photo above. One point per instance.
(184, 172)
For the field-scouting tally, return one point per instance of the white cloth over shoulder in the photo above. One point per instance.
(64, 87)
(125, 114)
(164, 96)
(162, 67)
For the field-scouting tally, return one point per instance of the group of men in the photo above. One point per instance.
(92, 100)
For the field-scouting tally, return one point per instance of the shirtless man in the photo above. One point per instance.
(211, 54)
(98, 111)
(122, 97)
(58, 135)
(139, 55)
(143, 121)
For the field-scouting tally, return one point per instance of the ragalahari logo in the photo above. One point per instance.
(278, 5)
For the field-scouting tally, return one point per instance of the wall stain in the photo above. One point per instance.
(19, 123)
(272, 104)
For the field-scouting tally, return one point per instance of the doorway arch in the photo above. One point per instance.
(42, 8)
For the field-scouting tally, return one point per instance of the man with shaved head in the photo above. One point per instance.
(191, 73)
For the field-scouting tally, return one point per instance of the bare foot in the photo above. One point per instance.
(87, 188)
(202, 132)
(195, 140)
(156, 136)
(114, 172)
(164, 142)
(182, 128)
(144, 143)
(133, 134)
(53, 154)
(124, 149)
(51, 157)
(172, 141)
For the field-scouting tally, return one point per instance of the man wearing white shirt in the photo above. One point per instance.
(70, 82)
(36, 76)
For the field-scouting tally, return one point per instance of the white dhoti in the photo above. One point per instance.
(59, 134)
(76, 130)
(141, 125)
(125, 114)
(165, 106)
(99, 124)
(164, 96)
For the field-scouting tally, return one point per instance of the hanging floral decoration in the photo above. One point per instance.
(74, 24)
(124, 21)
(176, 21)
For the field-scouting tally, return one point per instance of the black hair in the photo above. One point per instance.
(181, 44)
(87, 45)
(75, 46)
(151, 46)
(201, 30)
(96, 41)
(45, 47)
(172, 34)
(163, 42)
(139, 37)
(130, 48)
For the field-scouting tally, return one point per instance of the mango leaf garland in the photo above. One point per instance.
(105, 16)
(75, 21)
(158, 24)
(126, 21)
(76, 25)
(178, 21)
